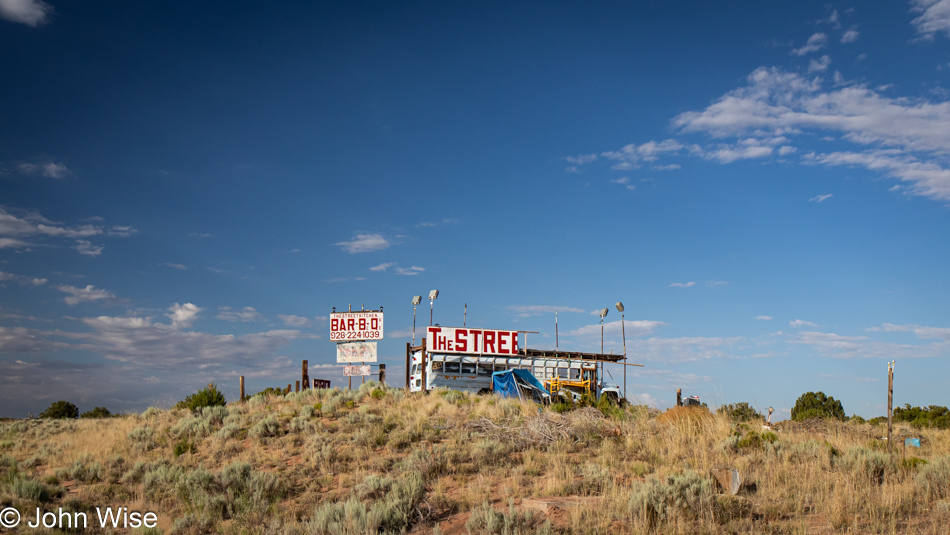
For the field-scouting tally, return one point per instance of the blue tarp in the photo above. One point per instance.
(506, 383)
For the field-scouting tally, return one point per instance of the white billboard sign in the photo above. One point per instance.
(355, 371)
(356, 326)
(471, 341)
(350, 352)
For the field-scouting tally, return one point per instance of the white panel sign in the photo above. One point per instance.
(356, 326)
(471, 341)
(355, 371)
(348, 352)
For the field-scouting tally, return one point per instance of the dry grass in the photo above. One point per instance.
(382, 461)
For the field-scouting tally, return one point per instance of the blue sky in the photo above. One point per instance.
(187, 191)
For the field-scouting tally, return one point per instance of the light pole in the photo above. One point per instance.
(602, 314)
(433, 294)
(416, 299)
(623, 330)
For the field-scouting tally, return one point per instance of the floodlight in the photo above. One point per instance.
(603, 312)
(619, 306)
(433, 294)
(416, 299)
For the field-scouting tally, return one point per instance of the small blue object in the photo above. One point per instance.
(915, 442)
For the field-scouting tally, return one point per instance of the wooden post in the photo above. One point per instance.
(305, 377)
(242, 388)
(297, 386)
(382, 374)
(890, 402)
(408, 362)
(422, 362)
(288, 388)
(679, 397)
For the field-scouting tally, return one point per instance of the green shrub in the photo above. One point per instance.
(61, 409)
(485, 519)
(98, 412)
(208, 397)
(817, 405)
(660, 501)
(269, 391)
(934, 416)
(933, 479)
(30, 489)
(740, 412)
(184, 446)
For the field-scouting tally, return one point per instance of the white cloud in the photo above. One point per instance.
(785, 150)
(294, 321)
(524, 311)
(364, 243)
(819, 65)
(942, 333)
(682, 284)
(582, 159)
(21, 279)
(183, 315)
(625, 181)
(850, 36)
(821, 198)
(12, 243)
(20, 340)
(244, 315)
(815, 42)
(382, 267)
(838, 346)
(934, 17)
(85, 247)
(121, 232)
(910, 134)
(88, 294)
(30, 12)
(414, 270)
(766, 318)
(630, 156)
(684, 349)
(175, 266)
(801, 323)
(927, 179)
(48, 169)
(615, 329)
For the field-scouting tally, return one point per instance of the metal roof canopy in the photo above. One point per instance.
(552, 354)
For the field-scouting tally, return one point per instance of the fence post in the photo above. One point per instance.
(408, 353)
(297, 386)
(304, 376)
(679, 397)
(382, 374)
(890, 402)
(288, 388)
(242, 388)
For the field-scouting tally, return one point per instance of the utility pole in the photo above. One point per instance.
(890, 402)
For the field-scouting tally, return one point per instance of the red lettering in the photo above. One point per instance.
(475, 347)
(441, 343)
(489, 341)
(362, 324)
(431, 336)
(501, 341)
(461, 340)
(374, 323)
(514, 343)
(334, 324)
(350, 323)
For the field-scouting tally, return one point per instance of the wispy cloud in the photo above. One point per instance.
(48, 169)
(850, 36)
(815, 43)
(364, 243)
(819, 65)
(934, 17)
(414, 270)
(820, 198)
(765, 318)
(30, 12)
(85, 247)
(84, 295)
(244, 315)
(683, 284)
(910, 134)
(181, 267)
(801, 323)
(625, 181)
(632, 328)
(294, 321)
(382, 267)
(22, 279)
